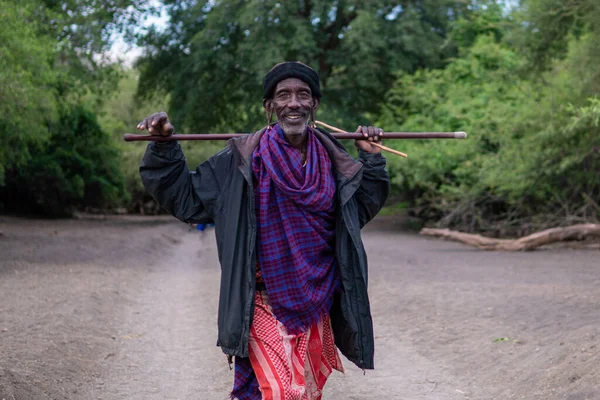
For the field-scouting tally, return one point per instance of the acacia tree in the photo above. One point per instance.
(213, 55)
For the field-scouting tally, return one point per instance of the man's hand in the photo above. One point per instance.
(372, 135)
(157, 124)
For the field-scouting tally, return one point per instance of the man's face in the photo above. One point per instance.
(292, 102)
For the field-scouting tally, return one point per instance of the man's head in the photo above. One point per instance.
(292, 92)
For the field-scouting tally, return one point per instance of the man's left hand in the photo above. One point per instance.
(372, 135)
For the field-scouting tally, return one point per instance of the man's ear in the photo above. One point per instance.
(316, 102)
(267, 104)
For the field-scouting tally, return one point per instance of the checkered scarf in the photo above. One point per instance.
(296, 227)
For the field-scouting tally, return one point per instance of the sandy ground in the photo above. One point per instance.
(125, 308)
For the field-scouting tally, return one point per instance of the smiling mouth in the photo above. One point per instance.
(294, 118)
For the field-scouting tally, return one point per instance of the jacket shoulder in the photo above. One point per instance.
(332, 139)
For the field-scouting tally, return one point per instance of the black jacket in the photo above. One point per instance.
(221, 190)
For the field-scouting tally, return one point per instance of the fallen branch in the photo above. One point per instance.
(574, 232)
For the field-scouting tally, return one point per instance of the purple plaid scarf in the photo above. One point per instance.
(296, 227)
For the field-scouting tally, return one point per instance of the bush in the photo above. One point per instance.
(78, 168)
(531, 158)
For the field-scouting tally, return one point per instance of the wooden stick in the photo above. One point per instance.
(133, 137)
(574, 232)
(331, 128)
(382, 147)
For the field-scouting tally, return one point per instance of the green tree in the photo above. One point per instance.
(53, 75)
(531, 159)
(79, 168)
(121, 112)
(213, 55)
(82, 32)
(475, 93)
(546, 27)
(27, 86)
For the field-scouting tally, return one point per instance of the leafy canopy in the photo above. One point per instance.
(53, 154)
(532, 156)
(212, 57)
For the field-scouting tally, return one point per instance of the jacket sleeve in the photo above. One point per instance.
(190, 196)
(374, 186)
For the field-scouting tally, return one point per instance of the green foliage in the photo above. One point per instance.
(213, 56)
(27, 96)
(487, 19)
(533, 145)
(121, 113)
(473, 94)
(78, 168)
(53, 155)
(522, 80)
(81, 31)
(555, 169)
(546, 27)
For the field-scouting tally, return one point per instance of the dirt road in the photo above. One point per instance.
(126, 309)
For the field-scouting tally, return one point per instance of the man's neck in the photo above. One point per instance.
(297, 141)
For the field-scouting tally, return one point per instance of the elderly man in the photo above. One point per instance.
(288, 203)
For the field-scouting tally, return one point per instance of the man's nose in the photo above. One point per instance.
(294, 102)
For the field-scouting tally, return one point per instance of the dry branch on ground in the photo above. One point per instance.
(548, 236)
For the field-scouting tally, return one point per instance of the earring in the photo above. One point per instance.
(311, 123)
(269, 115)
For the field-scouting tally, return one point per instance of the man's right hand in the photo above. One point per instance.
(157, 124)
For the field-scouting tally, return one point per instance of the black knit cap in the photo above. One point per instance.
(291, 69)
